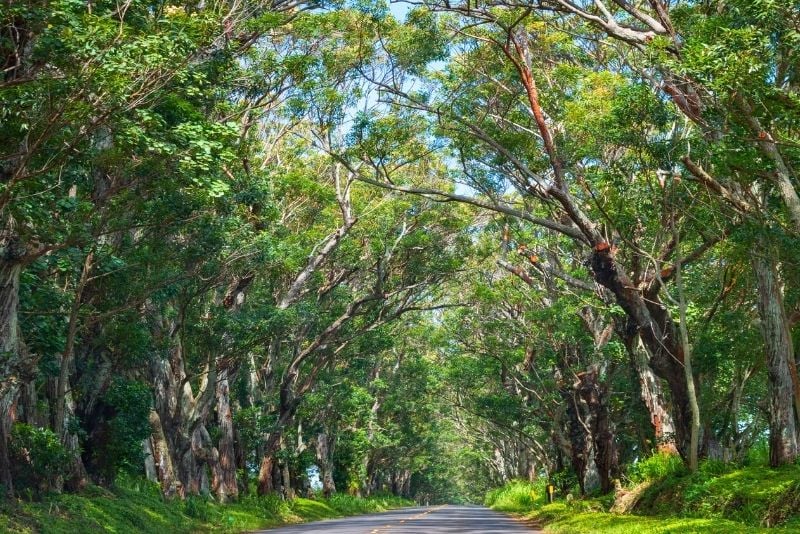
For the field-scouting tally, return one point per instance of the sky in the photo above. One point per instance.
(399, 10)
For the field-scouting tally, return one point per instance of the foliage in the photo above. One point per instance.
(560, 518)
(136, 505)
(38, 457)
(656, 467)
(718, 495)
(427, 257)
(756, 496)
(516, 496)
(131, 404)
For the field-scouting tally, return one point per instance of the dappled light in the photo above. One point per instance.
(436, 266)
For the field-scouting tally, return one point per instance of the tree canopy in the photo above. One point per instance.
(422, 248)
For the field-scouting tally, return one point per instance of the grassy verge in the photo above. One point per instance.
(718, 498)
(563, 518)
(755, 495)
(139, 507)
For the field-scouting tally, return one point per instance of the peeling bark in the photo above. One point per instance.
(11, 353)
(783, 446)
(653, 398)
(227, 487)
(182, 415)
(591, 437)
(149, 461)
(265, 485)
(162, 458)
(324, 451)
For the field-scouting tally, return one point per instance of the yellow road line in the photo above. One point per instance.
(418, 516)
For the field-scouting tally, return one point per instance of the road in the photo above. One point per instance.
(426, 520)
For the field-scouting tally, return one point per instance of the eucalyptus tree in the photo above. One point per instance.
(240, 238)
(729, 68)
(525, 78)
(519, 65)
(546, 348)
(381, 272)
(107, 110)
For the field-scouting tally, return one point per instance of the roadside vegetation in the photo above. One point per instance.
(139, 506)
(662, 496)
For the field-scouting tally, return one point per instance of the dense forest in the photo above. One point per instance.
(423, 249)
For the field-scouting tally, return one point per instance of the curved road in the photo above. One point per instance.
(426, 520)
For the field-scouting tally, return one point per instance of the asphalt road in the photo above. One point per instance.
(426, 520)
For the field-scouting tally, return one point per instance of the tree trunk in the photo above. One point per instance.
(606, 457)
(204, 456)
(324, 452)
(686, 348)
(11, 353)
(188, 467)
(582, 444)
(64, 402)
(168, 445)
(653, 397)
(183, 414)
(593, 439)
(28, 405)
(277, 477)
(150, 471)
(657, 331)
(62, 385)
(580, 420)
(162, 457)
(286, 479)
(227, 488)
(286, 475)
(76, 478)
(265, 485)
(6, 420)
(783, 446)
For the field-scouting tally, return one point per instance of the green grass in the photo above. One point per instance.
(139, 507)
(718, 498)
(755, 496)
(517, 496)
(563, 518)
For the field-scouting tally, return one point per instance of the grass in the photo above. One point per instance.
(755, 495)
(563, 518)
(136, 507)
(718, 498)
(516, 497)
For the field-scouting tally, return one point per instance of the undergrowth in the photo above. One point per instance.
(719, 497)
(516, 496)
(138, 506)
(755, 495)
(657, 466)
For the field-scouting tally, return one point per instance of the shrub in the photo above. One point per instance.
(198, 507)
(785, 505)
(714, 468)
(516, 496)
(38, 459)
(757, 454)
(658, 466)
(138, 484)
(272, 505)
(118, 440)
(343, 501)
(755, 496)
